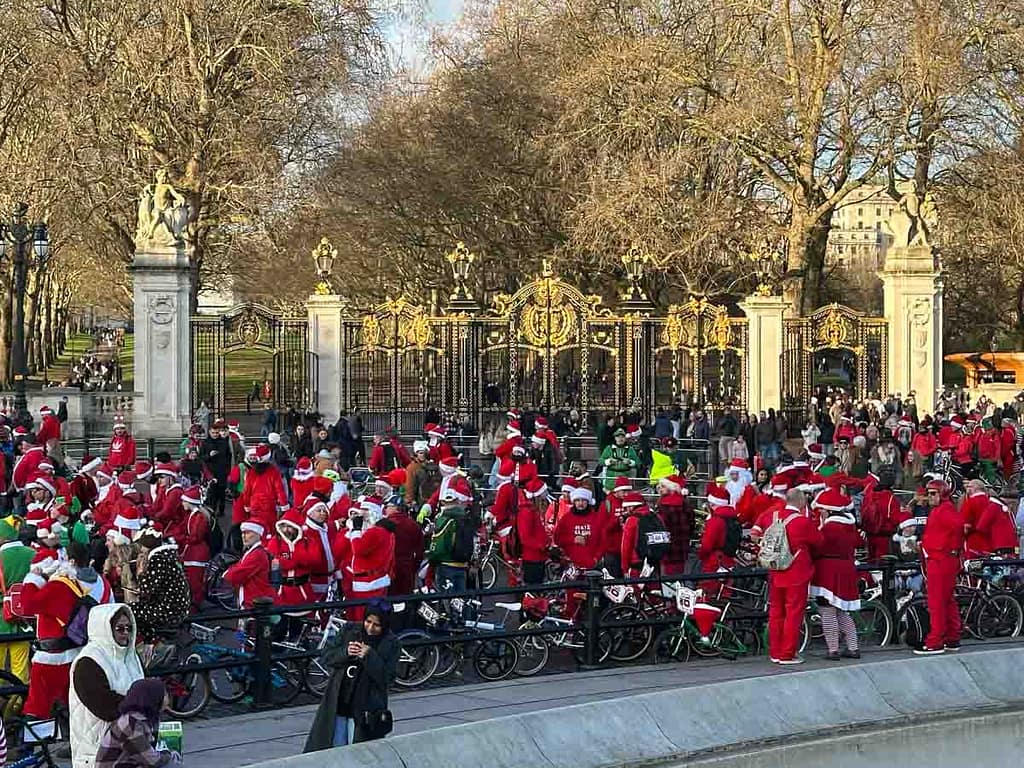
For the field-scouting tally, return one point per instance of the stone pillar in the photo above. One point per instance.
(912, 289)
(163, 353)
(325, 340)
(765, 338)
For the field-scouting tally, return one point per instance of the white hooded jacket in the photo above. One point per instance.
(122, 668)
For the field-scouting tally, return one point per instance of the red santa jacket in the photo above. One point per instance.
(709, 551)
(630, 535)
(971, 509)
(52, 602)
(301, 489)
(924, 444)
(122, 452)
(382, 460)
(996, 529)
(963, 447)
(297, 560)
(581, 536)
(504, 449)
(48, 430)
(167, 510)
(533, 538)
(409, 549)
(990, 447)
(612, 507)
(193, 540)
(128, 515)
(262, 497)
(373, 556)
(320, 541)
(84, 488)
(507, 500)
(250, 576)
(443, 450)
(26, 466)
(766, 512)
(804, 542)
(105, 506)
(943, 537)
(1008, 443)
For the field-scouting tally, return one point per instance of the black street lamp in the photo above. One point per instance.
(15, 237)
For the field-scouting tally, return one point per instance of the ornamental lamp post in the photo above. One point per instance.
(765, 259)
(324, 256)
(635, 260)
(461, 259)
(15, 238)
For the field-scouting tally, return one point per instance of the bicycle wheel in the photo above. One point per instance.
(188, 693)
(218, 591)
(488, 573)
(315, 677)
(495, 659)
(874, 624)
(627, 643)
(576, 641)
(999, 616)
(416, 664)
(670, 645)
(805, 634)
(228, 685)
(533, 651)
(285, 682)
(913, 623)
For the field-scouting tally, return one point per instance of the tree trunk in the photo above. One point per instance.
(1020, 311)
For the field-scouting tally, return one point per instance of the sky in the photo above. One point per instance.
(408, 39)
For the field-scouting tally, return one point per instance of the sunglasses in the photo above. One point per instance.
(123, 628)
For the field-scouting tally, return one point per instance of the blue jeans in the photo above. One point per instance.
(344, 731)
(449, 573)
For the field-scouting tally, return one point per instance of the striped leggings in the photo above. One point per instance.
(834, 621)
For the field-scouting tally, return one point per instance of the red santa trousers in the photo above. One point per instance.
(357, 612)
(878, 546)
(786, 608)
(196, 576)
(48, 684)
(943, 610)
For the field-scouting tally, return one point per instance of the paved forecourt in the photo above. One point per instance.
(245, 739)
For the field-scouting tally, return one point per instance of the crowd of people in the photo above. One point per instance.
(308, 521)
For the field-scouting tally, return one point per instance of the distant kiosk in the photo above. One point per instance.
(999, 376)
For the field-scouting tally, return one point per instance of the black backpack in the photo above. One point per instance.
(429, 482)
(465, 539)
(733, 537)
(652, 538)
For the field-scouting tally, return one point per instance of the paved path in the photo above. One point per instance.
(245, 739)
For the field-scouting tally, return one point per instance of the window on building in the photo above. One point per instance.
(878, 211)
(860, 211)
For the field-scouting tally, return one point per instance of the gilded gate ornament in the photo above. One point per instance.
(719, 333)
(418, 331)
(371, 331)
(249, 331)
(833, 331)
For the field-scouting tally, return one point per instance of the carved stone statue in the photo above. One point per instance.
(164, 214)
(913, 222)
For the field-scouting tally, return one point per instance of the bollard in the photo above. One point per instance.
(261, 605)
(592, 632)
(151, 448)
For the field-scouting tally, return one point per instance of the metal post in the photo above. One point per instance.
(151, 448)
(263, 651)
(889, 587)
(592, 617)
(18, 334)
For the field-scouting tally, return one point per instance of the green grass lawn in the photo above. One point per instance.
(77, 345)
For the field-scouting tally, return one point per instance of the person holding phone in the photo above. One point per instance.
(362, 658)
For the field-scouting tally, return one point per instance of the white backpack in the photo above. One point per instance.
(775, 554)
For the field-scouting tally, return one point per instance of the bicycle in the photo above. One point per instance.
(29, 739)
(703, 630)
(188, 692)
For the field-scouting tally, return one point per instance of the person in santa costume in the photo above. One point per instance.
(193, 542)
(302, 480)
(48, 434)
(788, 589)
(580, 533)
(83, 485)
(942, 546)
(103, 509)
(449, 468)
(373, 556)
(320, 536)
(835, 582)
(533, 538)
(769, 503)
(129, 512)
(972, 507)
(713, 552)
(439, 448)
(41, 491)
(121, 454)
(250, 576)
(297, 559)
(513, 439)
(614, 517)
(167, 512)
(677, 515)
(409, 546)
(262, 498)
(51, 592)
(388, 453)
(998, 529)
(144, 479)
(26, 466)
(559, 506)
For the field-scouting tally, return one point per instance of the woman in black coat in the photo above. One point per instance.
(354, 708)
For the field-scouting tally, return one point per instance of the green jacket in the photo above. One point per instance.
(443, 541)
(618, 462)
(15, 559)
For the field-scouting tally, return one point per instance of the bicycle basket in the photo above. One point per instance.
(429, 614)
(618, 593)
(203, 634)
(687, 599)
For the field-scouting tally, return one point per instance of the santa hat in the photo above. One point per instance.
(570, 484)
(397, 477)
(45, 466)
(956, 422)
(458, 490)
(633, 499)
(384, 481)
(34, 512)
(129, 518)
(738, 465)
(312, 504)
(167, 468)
(20, 431)
(126, 481)
(143, 469)
(91, 463)
(449, 465)
(514, 430)
(303, 468)
(506, 469)
(372, 506)
(290, 519)
(43, 481)
(622, 483)
(780, 487)
(518, 450)
(436, 431)
(512, 414)
(104, 470)
(816, 451)
(193, 495)
(117, 539)
(46, 411)
(219, 424)
(832, 500)
(419, 446)
(717, 495)
(535, 488)
(581, 493)
(252, 527)
(263, 453)
(233, 427)
(633, 432)
(540, 423)
(673, 483)
(322, 486)
(538, 439)
(119, 422)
